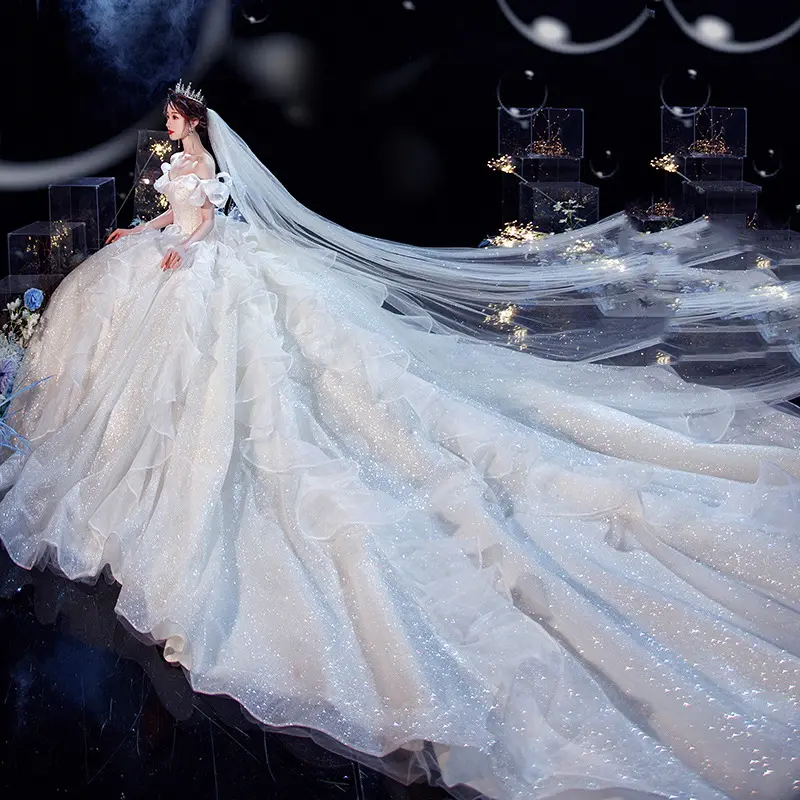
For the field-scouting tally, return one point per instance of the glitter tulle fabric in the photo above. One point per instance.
(527, 577)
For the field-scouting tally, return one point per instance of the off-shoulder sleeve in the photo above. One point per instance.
(214, 189)
(162, 181)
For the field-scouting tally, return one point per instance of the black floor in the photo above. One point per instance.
(90, 711)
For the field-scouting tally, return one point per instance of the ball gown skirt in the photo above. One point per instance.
(560, 577)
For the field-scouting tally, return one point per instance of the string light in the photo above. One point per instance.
(549, 147)
(503, 163)
(161, 149)
(513, 234)
(669, 163)
(579, 247)
(661, 208)
(502, 319)
(713, 146)
(518, 336)
(502, 316)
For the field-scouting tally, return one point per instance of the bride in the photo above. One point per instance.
(331, 501)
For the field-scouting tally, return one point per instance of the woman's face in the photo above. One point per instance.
(177, 125)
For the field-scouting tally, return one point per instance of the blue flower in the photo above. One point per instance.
(33, 298)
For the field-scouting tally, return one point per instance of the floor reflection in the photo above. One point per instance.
(90, 711)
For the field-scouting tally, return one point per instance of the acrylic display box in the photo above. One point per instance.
(152, 149)
(732, 199)
(550, 169)
(14, 286)
(46, 248)
(710, 132)
(541, 133)
(722, 168)
(91, 201)
(658, 215)
(559, 206)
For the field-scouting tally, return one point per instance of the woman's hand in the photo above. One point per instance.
(173, 257)
(118, 234)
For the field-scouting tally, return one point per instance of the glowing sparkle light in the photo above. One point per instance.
(513, 234)
(517, 337)
(667, 162)
(161, 149)
(504, 163)
(502, 315)
(711, 146)
(663, 358)
(662, 208)
(778, 292)
(579, 247)
(613, 264)
(549, 147)
(762, 262)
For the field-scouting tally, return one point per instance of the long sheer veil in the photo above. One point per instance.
(679, 298)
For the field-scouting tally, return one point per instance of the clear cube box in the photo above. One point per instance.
(550, 169)
(658, 215)
(152, 149)
(541, 133)
(92, 201)
(708, 132)
(722, 168)
(46, 248)
(722, 198)
(559, 206)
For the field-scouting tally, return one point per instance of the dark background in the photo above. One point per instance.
(399, 115)
(397, 121)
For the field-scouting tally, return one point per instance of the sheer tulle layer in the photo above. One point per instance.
(563, 576)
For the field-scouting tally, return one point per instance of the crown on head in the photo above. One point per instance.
(187, 91)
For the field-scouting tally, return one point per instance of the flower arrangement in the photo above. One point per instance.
(23, 316)
(569, 213)
(15, 335)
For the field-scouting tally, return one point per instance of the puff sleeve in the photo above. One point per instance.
(215, 189)
(162, 181)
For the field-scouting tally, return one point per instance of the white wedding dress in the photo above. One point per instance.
(562, 577)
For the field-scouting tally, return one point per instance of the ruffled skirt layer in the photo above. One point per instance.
(562, 576)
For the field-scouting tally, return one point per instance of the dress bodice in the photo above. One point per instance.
(188, 193)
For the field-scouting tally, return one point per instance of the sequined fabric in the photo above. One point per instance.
(563, 577)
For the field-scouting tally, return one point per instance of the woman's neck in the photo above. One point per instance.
(192, 145)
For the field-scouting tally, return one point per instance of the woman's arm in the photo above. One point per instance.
(161, 221)
(167, 218)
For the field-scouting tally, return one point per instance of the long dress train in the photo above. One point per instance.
(560, 576)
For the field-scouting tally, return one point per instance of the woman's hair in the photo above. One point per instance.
(190, 109)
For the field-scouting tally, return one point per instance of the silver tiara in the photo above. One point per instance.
(187, 91)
